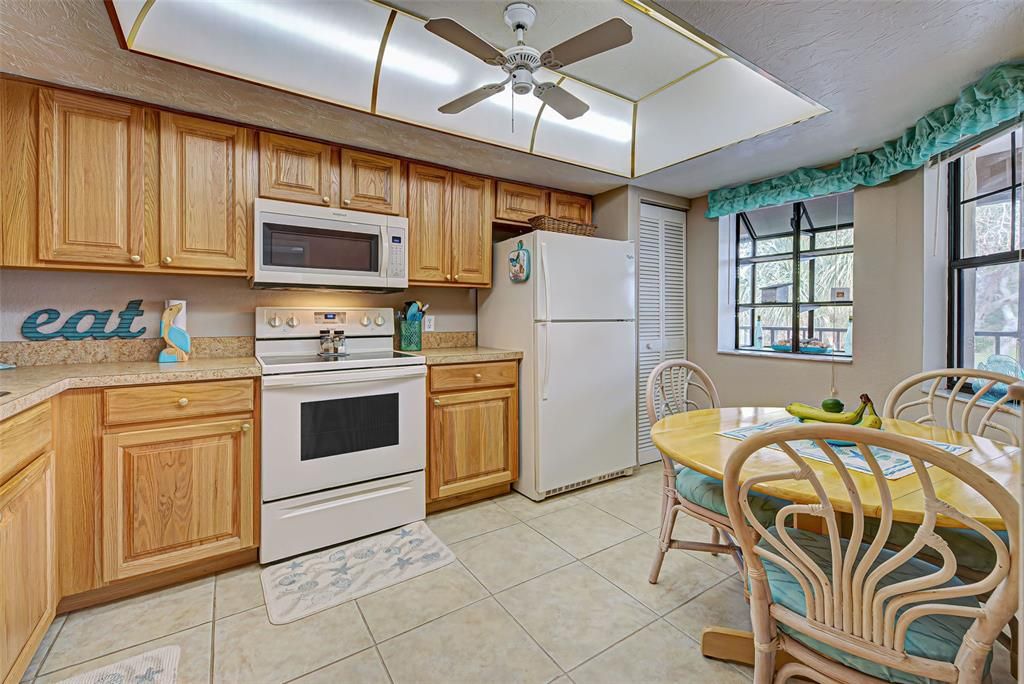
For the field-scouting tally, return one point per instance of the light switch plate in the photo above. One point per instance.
(428, 324)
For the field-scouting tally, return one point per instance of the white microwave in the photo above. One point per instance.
(302, 246)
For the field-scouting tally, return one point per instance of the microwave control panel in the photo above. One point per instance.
(396, 258)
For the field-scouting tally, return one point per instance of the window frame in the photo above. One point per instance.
(800, 216)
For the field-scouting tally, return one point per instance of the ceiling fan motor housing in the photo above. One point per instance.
(520, 16)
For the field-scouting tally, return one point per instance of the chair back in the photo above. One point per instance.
(971, 413)
(851, 608)
(678, 385)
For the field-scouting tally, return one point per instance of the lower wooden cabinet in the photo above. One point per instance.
(473, 434)
(27, 565)
(176, 495)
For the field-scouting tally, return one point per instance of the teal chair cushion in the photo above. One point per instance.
(933, 636)
(972, 550)
(706, 492)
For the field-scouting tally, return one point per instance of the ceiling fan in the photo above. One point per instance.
(521, 60)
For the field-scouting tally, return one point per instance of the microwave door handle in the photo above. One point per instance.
(385, 250)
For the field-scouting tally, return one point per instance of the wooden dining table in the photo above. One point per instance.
(691, 439)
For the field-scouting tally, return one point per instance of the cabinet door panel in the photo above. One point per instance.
(519, 202)
(570, 207)
(204, 219)
(27, 548)
(370, 182)
(90, 179)
(429, 224)
(471, 230)
(176, 495)
(295, 170)
(473, 441)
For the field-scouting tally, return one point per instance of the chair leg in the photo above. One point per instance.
(664, 538)
(764, 666)
(715, 538)
(1014, 645)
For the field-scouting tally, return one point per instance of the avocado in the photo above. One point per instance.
(832, 405)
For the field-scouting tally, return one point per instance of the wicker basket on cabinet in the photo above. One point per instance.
(556, 225)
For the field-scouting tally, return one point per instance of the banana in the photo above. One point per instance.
(870, 419)
(814, 414)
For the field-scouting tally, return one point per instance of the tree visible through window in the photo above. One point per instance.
(794, 277)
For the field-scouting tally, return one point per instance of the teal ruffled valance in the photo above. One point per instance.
(996, 98)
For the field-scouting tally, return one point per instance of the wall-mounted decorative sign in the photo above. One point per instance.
(71, 329)
(519, 264)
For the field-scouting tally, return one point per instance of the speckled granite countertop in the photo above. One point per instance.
(449, 355)
(30, 385)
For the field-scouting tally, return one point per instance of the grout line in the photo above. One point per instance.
(531, 637)
(613, 645)
(42, 663)
(213, 629)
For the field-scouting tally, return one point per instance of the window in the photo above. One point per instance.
(984, 204)
(794, 277)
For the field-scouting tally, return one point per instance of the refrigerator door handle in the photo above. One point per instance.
(547, 282)
(547, 363)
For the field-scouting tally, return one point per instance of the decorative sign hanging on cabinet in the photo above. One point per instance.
(71, 328)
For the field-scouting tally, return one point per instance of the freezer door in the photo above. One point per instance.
(586, 400)
(583, 279)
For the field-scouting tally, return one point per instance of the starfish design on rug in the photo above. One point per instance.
(340, 570)
(149, 676)
(403, 533)
(402, 563)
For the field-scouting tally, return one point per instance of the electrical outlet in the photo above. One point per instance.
(428, 324)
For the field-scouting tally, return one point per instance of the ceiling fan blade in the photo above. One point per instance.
(561, 100)
(460, 36)
(471, 98)
(603, 37)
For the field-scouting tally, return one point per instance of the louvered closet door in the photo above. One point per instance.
(661, 309)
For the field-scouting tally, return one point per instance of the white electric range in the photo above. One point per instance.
(343, 431)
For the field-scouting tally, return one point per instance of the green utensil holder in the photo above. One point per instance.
(410, 335)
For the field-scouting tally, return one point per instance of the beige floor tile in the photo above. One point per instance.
(628, 566)
(637, 503)
(364, 667)
(247, 648)
(95, 632)
(583, 529)
(238, 590)
(525, 508)
(574, 613)
(479, 643)
(411, 603)
(723, 605)
(657, 653)
(193, 664)
(469, 521)
(44, 648)
(509, 556)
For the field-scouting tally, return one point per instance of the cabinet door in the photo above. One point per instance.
(519, 202)
(295, 170)
(370, 182)
(570, 207)
(176, 495)
(429, 224)
(90, 180)
(474, 441)
(27, 558)
(204, 199)
(471, 230)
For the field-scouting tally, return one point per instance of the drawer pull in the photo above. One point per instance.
(183, 401)
(246, 427)
(478, 376)
(437, 402)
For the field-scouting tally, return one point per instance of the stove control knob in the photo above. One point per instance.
(365, 321)
(275, 321)
(292, 321)
(379, 320)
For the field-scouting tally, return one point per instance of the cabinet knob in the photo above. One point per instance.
(166, 260)
(456, 277)
(348, 201)
(477, 376)
(183, 401)
(448, 276)
(135, 258)
(326, 199)
(437, 402)
(246, 427)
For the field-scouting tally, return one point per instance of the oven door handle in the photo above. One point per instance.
(343, 377)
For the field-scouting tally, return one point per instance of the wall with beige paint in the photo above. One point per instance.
(888, 307)
(617, 211)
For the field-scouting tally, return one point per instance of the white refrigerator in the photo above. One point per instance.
(574, 319)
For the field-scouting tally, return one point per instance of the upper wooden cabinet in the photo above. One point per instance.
(371, 182)
(518, 203)
(205, 200)
(570, 207)
(471, 230)
(297, 170)
(90, 188)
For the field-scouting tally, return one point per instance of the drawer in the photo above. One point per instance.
(23, 437)
(473, 375)
(180, 400)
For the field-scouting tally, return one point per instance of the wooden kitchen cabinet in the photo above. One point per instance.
(371, 182)
(297, 170)
(570, 207)
(205, 194)
(519, 203)
(473, 434)
(90, 187)
(449, 228)
(28, 598)
(176, 495)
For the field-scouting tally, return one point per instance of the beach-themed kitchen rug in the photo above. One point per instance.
(317, 581)
(159, 666)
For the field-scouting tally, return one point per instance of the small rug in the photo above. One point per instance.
(159, 666)
(317, 581)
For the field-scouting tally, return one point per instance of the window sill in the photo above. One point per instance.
(815, 358)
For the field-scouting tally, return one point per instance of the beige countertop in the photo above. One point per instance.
(29, 385)
(449, 355)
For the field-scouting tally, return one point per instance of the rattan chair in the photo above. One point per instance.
(850, 611)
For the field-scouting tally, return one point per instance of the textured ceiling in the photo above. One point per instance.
(876, 64)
